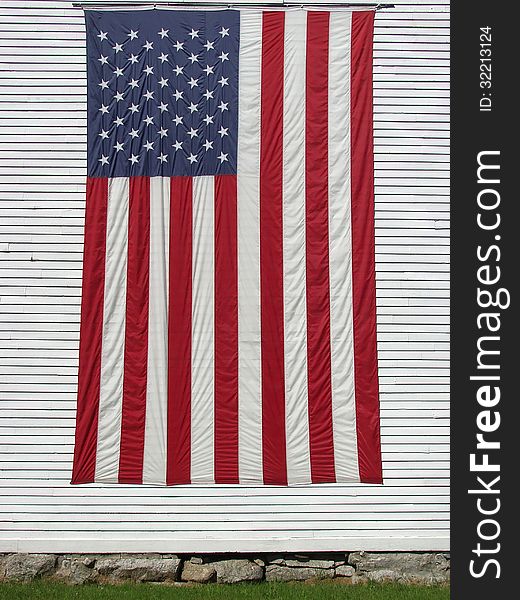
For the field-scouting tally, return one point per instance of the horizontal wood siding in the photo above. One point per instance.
(42, 188)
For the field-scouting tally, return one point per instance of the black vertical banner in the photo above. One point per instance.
(485, 439)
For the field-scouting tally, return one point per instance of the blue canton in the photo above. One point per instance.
(162, 92)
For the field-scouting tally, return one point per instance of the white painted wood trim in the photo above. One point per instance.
(42, 187)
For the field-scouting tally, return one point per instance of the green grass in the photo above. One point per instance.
(264, 591)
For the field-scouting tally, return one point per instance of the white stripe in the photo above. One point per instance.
(202, 354)
(248, 190)
(340, 252)
(295, 309)
(113, 350)
(154, 464)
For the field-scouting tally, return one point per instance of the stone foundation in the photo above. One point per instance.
(351, 567)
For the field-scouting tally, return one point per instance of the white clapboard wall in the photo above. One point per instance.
(42, 175)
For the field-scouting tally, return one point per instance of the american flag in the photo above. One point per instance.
(228, 329)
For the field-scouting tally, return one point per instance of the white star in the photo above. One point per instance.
(163, 107)
(209, 45)
(117, 47)
(163, 132)
(177, 145)
(223, 131)
(163, 57)
(148, 45)
(103, 160)
(178, 95)
(178, 120)
(178, 70)
(103, 134)
(178, 45)
(222, 157)
(193, 108)
(148, 95)
(102, 35)
(118, 72)
(223, 106)
(208, 145)
(223, 81)
(224, 56)
(148, 120)
(162, 157)
(119, 146)
(118, 96)
(103, 85)
(133, 34)
(103, 109)
(148, 70)
(194, 58)
(208, 94)
(103, 60)
(149, 145)
(193, 133)
(208, 119)
(163, 33)
(133, 58)
(208, 70)
(134, 133)
(163, 82)
(119, 121)
(193, 83)
(133, 83)
(134, 108)
(223, 32)
(192, 158)
(133, 159)
(194, 33)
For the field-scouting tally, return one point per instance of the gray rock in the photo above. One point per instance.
(89, 561)
(312, 564)
(408, 567)
(138, 569)
(354, 558)
(26, 567)
(282, 573)
(107, 565)
(345, 571)
(3, 559)
(75, 572)
(384, 575)
(237, 570)
(198, 573)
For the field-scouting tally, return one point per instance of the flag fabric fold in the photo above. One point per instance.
(228, 318)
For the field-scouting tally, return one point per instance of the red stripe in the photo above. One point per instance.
(179, 333)
(317, 250)
(91, 331)
(271, 250)
(226, 330)
(136, 333)
(363, 251)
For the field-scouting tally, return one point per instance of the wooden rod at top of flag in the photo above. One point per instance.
(111, 5)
